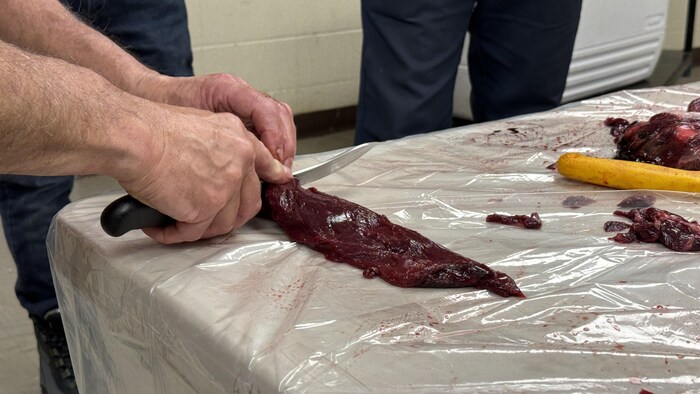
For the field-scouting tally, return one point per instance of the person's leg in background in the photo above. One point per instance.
(156, 32)
(519, 55)
(410, 54)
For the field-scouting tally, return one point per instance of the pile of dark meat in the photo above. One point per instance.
(667, 139)
(349, 233)
(670, 140)
(657, 225)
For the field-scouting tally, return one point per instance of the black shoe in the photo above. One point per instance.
(55, 366)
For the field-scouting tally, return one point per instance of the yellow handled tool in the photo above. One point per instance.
(622, 174)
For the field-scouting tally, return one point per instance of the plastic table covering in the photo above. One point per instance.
(254, 312)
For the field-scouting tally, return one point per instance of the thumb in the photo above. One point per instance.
(267, 167)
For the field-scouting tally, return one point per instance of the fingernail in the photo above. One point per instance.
(288, 163)
(279, 152)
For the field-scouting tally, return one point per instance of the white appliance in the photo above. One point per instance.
(618, 43)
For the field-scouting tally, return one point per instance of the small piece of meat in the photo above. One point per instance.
(346, 232)
(667, 139)
(694, 105)
(638, 200)
(577, 201)
(657, 225)
(532, 222)
(615, 226)
(624, 238)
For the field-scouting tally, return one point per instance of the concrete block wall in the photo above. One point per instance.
(307, 52)
(303, 52)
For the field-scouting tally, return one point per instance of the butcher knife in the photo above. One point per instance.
(127, 213)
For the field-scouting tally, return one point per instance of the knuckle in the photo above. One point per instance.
(192, 215)
(234, 177)
(229, 119)
(223, 78)
(255, 207)
(218, 200)
(249, 210)
(183, 233)
(220, 228)
(246, 151)
(192, 237)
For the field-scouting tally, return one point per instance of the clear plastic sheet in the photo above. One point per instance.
(253, 312)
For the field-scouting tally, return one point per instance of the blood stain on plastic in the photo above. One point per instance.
(576, 202)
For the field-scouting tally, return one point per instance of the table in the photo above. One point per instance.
(253, 312)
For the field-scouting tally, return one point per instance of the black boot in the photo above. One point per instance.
(55, 366)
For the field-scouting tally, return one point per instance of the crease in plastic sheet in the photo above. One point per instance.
(253, 312)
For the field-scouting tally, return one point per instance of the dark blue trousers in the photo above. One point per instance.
(519, 55)
(155, 31)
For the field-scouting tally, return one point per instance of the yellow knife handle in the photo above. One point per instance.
(623, 174)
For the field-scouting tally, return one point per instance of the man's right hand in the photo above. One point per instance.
(203, 169)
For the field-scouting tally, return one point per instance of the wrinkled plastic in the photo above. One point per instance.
(253, 312)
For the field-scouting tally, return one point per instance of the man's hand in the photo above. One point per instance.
(272, 121)
(199, 167)
(203, 172)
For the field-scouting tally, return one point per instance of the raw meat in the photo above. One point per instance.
(533, 221)
(694, 105)
(667, 139)
(614, 226)
(657, 225)
(349, 233)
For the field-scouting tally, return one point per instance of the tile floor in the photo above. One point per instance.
(18, 356)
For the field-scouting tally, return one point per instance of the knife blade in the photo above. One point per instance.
(127, 213)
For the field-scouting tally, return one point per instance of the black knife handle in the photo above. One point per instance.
(127, 213)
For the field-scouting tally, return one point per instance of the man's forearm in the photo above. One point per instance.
(48, 28)
(57, 118)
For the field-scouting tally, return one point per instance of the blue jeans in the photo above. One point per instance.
(519, 56)
(155, 32)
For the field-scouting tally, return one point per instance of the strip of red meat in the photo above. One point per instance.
(532, 222)
(349, 233)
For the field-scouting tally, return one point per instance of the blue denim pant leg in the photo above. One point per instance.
(27, 205)
(155, 32)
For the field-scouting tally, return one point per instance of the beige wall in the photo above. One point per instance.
(675, 25)
(307, 52)
(304, 52)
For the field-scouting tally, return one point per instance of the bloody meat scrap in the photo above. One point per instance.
(667, 139)
(349, 233)
(657, 225)
(532, 222)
